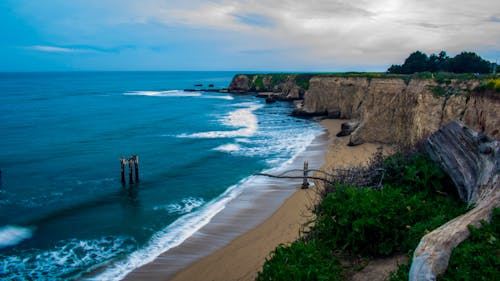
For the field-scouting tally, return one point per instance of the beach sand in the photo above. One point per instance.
(243, 257)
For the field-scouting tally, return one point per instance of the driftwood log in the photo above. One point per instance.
(472, 160)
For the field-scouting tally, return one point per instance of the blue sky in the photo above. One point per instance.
(278, 35)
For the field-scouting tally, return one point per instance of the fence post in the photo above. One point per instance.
(305, 184)
(123, 163)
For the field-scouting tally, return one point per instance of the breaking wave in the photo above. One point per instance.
(11, 235)
(185, 206)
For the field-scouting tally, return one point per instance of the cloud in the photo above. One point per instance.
(315, 32)
(342, 31)
(53, 49)
(254, 19)
(80, 49)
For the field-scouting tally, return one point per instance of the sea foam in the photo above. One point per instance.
(242, 118)
(173, 235)
(69, 259)
(185, 206)
(230, 147)
(11, 235)
(224, 97)
(172, 93)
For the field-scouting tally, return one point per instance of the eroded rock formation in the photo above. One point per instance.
(392, 110)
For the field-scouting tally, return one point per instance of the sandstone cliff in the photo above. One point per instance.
(392, 110)
(280, 86)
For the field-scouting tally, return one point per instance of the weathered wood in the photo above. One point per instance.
(305, 183)
(472, 160)
(130, 174)
(468, 157)
(123, 163)
(135, 158)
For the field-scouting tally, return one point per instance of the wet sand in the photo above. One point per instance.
(243, 257)
(269, 212)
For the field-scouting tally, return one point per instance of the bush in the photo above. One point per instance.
(477, 258)
(302, 260)
(369, 223)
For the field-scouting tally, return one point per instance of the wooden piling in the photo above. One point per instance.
(136, 166)
(305, 183)
(123, 163)
(130, 173)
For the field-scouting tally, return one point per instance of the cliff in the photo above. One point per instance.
(279, 85)
(395, 110)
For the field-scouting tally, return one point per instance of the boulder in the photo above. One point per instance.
(347, 128)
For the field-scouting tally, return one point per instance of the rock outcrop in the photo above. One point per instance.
(279, 86)
(240, 83)
(392, 110)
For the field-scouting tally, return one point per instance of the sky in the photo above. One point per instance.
(258, 35)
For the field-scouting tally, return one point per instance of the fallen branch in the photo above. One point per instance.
(472, 160)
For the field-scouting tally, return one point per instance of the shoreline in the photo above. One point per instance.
(242, 257)
(259, 198)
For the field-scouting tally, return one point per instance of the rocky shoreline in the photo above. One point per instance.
(385, 108)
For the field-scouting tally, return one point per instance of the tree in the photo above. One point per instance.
(395, 68)
(465, 62)
(469, 62)
(416, 62)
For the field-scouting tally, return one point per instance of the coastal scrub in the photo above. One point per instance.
(355, 223)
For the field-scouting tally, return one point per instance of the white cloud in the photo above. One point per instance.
(54, 49)
(280, 32)
(347, 31)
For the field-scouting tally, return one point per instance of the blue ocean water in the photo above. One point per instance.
(63, 211)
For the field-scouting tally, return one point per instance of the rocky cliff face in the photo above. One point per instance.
(280, 86)
(392, 110)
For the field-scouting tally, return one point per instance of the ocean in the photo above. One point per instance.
(64, 213)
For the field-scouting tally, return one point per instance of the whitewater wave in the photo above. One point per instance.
(195, 217)
(185, 206)
(230, 147)
(172, 93)
(225, 97)
(69, 259)
(243, 118)
(11, 235)
(173, 235)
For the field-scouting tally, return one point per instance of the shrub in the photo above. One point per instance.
(477, 258)
(368, 222)
(301, 260)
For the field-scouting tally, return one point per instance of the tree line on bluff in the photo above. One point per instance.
(465, 62)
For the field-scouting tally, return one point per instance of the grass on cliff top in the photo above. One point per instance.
(358, 223)
(300, 79)
(440, 76)
(489, 85)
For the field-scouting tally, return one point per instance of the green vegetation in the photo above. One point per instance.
(267, 82)
(465, 62)
(477, 258)
(491, 85)
(353, 223)
(257, 80)
(302, 260)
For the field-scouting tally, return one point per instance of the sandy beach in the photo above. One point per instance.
(242, 258)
